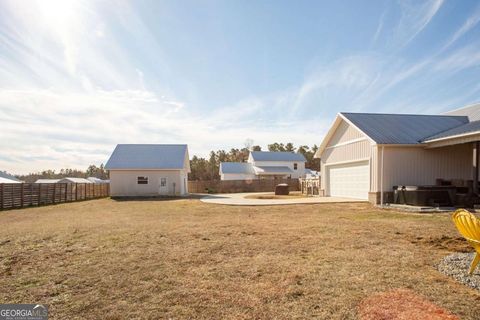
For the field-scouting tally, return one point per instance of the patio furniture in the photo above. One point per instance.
(469, 227)
(435, 196)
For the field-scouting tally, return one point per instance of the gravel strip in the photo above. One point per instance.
(457, 265)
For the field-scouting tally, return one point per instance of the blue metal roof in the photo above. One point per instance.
(236, 167)
(403, 128)
(147, 156)
(277, 156)
(466, 128)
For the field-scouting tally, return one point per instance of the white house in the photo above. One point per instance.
(64, 180)
(8, 178)
(149, 170)
(47, 181)
(265, 165)
(74, 180)
(97, 180)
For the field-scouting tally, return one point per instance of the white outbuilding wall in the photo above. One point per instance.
(125, 183)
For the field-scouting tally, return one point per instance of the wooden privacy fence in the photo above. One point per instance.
(235, 186)
(20, 195)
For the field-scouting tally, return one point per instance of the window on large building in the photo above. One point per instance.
(295, 166)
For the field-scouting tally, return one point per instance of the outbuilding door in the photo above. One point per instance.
(349, 180)
(162, 188)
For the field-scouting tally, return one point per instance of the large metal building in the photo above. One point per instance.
(364, 155)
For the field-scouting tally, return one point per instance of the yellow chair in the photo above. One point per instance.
(469, 227)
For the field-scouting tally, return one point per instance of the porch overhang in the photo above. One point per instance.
(453, 140)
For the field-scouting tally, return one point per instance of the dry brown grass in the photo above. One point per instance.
(401, 304)
(106, 259)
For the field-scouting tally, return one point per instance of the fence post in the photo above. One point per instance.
(40, 193)
(13, 198)
(54, 193)
(23, 194)
(1, 196)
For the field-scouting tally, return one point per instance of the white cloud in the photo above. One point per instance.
(415, 16)
(469, 24)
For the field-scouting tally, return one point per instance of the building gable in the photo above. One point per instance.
(344, 134)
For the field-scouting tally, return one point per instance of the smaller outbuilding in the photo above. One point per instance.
(149, 170)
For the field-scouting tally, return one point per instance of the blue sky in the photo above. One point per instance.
(78, 77)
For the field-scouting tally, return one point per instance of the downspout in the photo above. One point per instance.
(381, 179)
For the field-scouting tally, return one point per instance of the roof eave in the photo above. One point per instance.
(456, 136)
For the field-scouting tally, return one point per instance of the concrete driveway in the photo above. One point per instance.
(238, 199)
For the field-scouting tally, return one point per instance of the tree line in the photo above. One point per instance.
(201, 168)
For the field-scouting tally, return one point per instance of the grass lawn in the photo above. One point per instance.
(106, 259)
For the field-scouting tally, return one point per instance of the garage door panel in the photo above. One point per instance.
(350, 180)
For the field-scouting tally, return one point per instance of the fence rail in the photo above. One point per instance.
(20, 195)
(235, 186)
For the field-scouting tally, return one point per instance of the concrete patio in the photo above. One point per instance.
(238, 199)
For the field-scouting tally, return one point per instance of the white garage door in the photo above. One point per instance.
(351, 180)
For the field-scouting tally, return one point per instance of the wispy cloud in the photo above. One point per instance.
(465, 57)
(469, 24)
(415, 16)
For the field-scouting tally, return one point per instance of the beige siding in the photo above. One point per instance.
(124, 182)
(374, 165)
(419, 166)
(346, 153)
(344, 133)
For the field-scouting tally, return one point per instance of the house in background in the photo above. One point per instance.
(47, 181)
(149, 170)
(97, 180)
(8, 178)
(364, 155)
(265, 165)
(64, 180)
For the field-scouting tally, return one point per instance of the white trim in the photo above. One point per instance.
(347, 161)
(347, 142)
(381, 178)
(417, 145)
(461, 135)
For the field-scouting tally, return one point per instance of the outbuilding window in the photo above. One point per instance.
(142, 180)
(295, 166)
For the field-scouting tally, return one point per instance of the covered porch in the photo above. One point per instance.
(457, 171)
